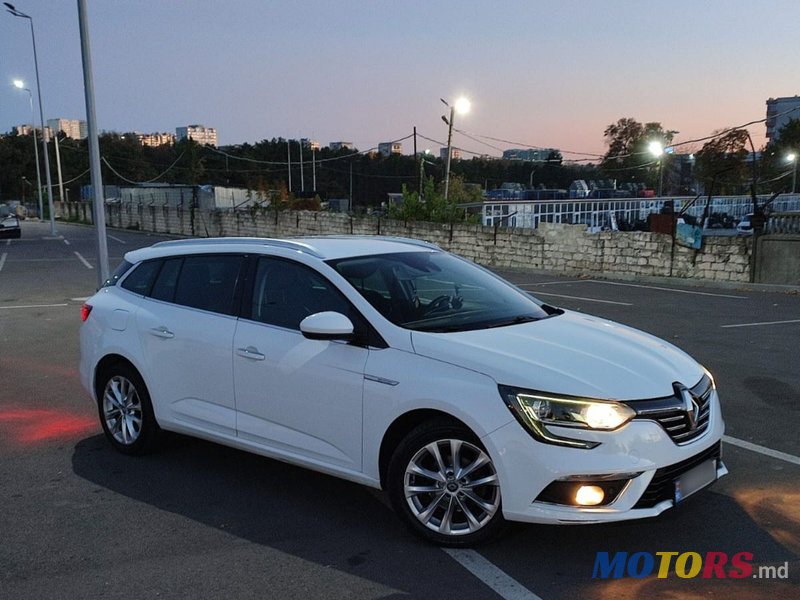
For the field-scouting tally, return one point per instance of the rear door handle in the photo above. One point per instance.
(162, 332)
(250, 352)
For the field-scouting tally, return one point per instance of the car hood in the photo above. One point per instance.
(572, 354)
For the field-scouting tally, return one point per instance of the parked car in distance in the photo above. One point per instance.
(745, 225)
(9, 223)
(394, 364)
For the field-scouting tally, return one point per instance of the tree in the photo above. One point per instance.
(721, 165)
(431, 205)
(777, 169)
(628, 152)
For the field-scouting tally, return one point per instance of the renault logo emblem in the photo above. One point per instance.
(691, 404)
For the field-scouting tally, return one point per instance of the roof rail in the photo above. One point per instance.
(388, 238)
(288, 244)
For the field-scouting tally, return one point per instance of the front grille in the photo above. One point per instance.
(662, 485)
(672, 415)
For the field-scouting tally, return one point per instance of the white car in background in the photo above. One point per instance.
(394, 364)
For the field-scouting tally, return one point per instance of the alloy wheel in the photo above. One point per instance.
(122, 410)
(451, 487)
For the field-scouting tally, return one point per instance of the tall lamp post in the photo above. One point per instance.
(792, 158)
(22, 15)
(461, 106)
(20, 85)
(657, 150)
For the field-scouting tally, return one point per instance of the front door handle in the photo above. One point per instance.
(250, 352)
(162, 332)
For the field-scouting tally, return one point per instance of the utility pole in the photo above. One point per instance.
(416, 162)
(350, 208)
(302, 179)
(289, 161)
(58, 166)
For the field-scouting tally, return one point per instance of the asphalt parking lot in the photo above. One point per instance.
(198, 520)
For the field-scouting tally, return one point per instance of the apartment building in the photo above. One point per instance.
(199, 133)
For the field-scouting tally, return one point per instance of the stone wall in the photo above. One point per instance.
(553, 247)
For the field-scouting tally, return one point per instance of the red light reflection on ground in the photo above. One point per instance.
(28, 426)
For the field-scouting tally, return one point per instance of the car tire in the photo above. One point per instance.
(445, 501)
(125, 411)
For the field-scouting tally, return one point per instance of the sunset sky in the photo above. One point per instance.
(551, 74)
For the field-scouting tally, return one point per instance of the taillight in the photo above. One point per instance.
(85, 310)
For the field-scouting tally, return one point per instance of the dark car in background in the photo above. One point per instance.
(9, 223)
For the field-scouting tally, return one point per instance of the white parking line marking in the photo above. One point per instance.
(795, 460)
(664, 289)
(33, 306)
(3, 260)
(79, 299)
(762, 323)
(83, 260)
(8, 242)
(116, 239)
(537, 293)
(504, 585)
(66, 241)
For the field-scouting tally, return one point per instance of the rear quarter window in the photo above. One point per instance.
(123, 268)
(140, 281)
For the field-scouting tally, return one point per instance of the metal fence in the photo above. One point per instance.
(601, 214)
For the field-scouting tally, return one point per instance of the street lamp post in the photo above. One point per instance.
(657, 150)
(22, 15)
(792, 158)
(461, 106)
(20, 85)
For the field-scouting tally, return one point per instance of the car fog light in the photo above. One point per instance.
(589, 495)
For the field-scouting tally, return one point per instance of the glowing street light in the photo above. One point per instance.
(20, 85)
(17, 13)
(792, 158)
(461, 106)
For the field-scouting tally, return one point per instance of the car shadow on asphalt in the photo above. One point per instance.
(316, 517)
(341, 525)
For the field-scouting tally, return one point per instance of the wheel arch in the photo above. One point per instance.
(105, 363)
(401, 427)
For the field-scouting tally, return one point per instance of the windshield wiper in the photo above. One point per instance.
(515, 321)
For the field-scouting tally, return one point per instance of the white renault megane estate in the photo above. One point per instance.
(392, 363)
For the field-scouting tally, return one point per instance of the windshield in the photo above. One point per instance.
(436, 291)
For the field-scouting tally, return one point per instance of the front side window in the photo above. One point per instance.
(285, 293)
(435, 291)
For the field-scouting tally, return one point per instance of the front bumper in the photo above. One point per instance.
(525, 467)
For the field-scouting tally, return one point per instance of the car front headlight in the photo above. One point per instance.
(537, 410)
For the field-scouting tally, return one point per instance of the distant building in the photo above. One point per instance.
(72, 128)
(156, 139)
(28, 130)
(199, 133)
(455, 153)
(389, 148)
(779, 112)
(336, 146)
(312, 145)
(529, 154)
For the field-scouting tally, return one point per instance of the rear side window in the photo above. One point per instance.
(123, 268)
(164, 287)
(141, 279)
(208, 282)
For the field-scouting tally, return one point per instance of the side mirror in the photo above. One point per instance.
(327, 325)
